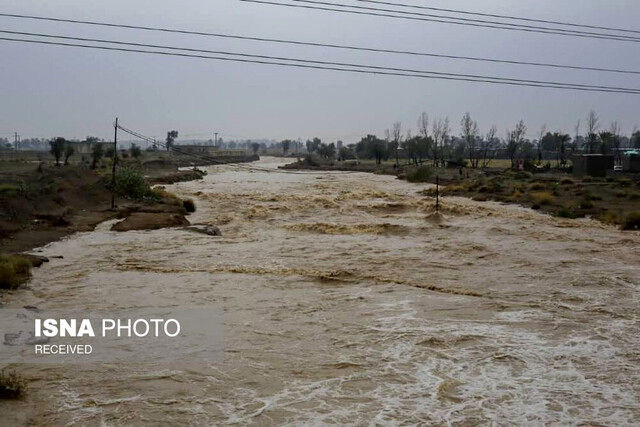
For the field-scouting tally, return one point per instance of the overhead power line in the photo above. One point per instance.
(280, 58)
(390, 13)
(315, 44)
(492, 15)
(338, 66)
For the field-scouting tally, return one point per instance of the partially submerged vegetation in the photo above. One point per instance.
(14, 270)
(12, 385)
(598, 198)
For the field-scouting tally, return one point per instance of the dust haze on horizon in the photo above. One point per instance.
(74, 92)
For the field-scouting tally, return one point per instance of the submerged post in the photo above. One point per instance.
(113, 170)
(437, 193)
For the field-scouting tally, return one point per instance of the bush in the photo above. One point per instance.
(566, 213)
(131, 184)
(537, 186)
(566, 181)
(14, 270)
(541, 198)
(420, 174)
(12, 386)
(631, 221)
(189, 205)
(586, 203)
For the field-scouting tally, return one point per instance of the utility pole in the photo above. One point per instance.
(113, 170)
(16, 140)
(215, 139)
(437, 193)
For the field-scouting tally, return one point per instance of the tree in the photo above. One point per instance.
(372, 147)
(616, 141)
(57, 148)
(488, 145)
(68, 152)
(346, 153)
(593, 123)
(328, 151)
(515, 141)
(470, 136)
(397, 137)
(635, 139)
(313, 145)
(605, 142)
(96, 154)
(440, 135)
(561, 144)
(541, 135)
(255, 147)
(171, 138)
(286, 145)
(135, 151)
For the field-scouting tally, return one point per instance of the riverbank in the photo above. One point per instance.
(41, 203)
(613, 200)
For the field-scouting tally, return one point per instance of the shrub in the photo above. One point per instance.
(131, 184)
(420, 174)
(541, 198)
(12, 385)
(586, 203)
(537, 186)
(566, 213)
(189, 205)
(566, 181)
(14, 270)
(621, 194)
(631, 221)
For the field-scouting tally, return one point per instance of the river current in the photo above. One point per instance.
(345, 300)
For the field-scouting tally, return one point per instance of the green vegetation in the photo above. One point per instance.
(631, 221)
(14, 270)
(189, 205)
(12, 385)
(131, 184)
(420, 174)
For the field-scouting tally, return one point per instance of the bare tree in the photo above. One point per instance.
(397, 137)
(487, 146)
(543, 132)
(423, 125)
(576, 139)
(515, 139)
(440, 134)
(616, 141)
(593, 123)
(470, 135)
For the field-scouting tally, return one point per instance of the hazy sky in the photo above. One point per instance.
(72, 92)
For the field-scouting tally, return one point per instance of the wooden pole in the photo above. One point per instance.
(113, 170)
(437, 193)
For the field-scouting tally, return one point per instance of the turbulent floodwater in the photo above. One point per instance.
(346, 301)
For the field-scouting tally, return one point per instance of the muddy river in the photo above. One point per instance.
(346, 301)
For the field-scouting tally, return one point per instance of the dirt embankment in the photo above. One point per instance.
(41, 204)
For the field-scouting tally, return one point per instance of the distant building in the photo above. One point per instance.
(631, 161)
(592, 164)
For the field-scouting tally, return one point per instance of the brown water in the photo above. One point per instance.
(346, 301)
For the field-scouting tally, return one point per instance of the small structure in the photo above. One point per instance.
(631, 162)
(592, 164)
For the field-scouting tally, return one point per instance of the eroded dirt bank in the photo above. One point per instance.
(346, 302)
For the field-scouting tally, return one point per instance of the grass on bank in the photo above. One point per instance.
(14, 270)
